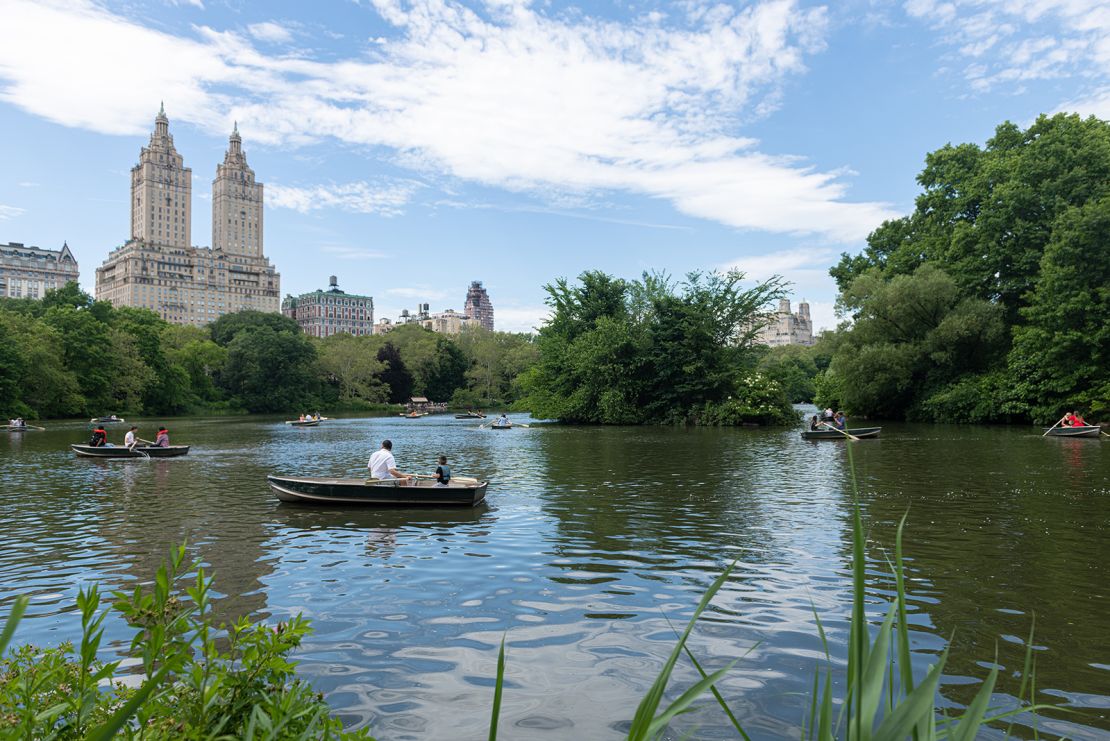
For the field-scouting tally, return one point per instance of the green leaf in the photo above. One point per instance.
(498, 686)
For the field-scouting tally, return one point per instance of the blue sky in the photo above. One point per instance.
(410, 147)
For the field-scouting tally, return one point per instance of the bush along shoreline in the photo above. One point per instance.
(238, 681)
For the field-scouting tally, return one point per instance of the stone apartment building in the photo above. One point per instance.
(29, 272)
(324, 313)
(786, 328)
(158, 267)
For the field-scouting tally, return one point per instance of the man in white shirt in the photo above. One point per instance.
(382, 465)
(129, 438)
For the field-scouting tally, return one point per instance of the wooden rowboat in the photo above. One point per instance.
(303, 422)
(375, 492)
(827, 434)
(1085, 431)
(140, 451)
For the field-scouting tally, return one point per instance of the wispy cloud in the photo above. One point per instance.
(271, 32)
(27, 184)
(344, 252)
(1012, 42)
(385, 199)
(9, 212)
(514, 97)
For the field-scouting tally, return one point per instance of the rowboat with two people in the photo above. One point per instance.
(471, 415)
(1072, 425)
(378, 492)
(19, 425)
(836, 434)
(111, 419)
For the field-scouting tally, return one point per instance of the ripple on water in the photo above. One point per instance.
(594, 547)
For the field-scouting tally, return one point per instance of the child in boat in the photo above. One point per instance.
(443, 472)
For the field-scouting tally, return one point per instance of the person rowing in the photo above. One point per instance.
(129, 440)
(383, 466)
(503, 421)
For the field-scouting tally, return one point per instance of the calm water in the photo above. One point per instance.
(591, 539)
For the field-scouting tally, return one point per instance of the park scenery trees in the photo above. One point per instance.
(991, 301)
(69, 355)
(655, 351)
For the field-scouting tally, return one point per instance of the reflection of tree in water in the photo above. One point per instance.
(670, 498)
(986, 552)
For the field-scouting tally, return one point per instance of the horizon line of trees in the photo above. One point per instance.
(68, 355)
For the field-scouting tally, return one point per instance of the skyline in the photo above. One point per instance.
(410, 148)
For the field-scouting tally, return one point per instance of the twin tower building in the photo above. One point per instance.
(159, 268)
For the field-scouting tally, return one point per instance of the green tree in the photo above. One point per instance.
(795, 367)
(270, 370)
(86, 351)
(395, 375)
(224, 329)
(351, 364)
(1061, 355)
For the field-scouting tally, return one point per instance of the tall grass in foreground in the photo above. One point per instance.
(880, 701)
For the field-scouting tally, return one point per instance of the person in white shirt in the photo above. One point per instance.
(383, 465)
(129, 439)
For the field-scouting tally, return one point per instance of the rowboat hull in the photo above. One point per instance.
(305, 423)
(861, 432)
(19, 429)
(107, 420)
(1088, 431)
(470, 416)
(378, 494)
(501, 427)
(140, 451)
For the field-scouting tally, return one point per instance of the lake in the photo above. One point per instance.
(592, 543)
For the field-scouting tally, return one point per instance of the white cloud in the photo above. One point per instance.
(9, 212)
(344, 252)
(1096, 103)
(520, 318)
(1011, 42)
(513, 98)
(360, 197)
(269, 31)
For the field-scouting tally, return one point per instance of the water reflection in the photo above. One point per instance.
(590, 541)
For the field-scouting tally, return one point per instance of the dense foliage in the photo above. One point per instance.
(69, 355)
(198, 680)
(653, 351)
(991, 301)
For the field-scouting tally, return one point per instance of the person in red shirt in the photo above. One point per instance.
(1077, 421)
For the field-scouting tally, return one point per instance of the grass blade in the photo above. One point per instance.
(716, 694)
(641, 722)
(497, 687)
(18, 608)
(918, 705)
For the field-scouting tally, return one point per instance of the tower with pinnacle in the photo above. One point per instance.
(161, 191)
(236, 203)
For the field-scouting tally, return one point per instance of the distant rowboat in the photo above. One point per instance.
(303, 422)
(470, 415)
(828, 434)
(375, 492)
(140, 451)
(1084, 431)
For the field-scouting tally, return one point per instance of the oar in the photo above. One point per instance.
(1053, 427)
(842, 432)
(36, 427)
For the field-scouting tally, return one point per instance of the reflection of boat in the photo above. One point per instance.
(375, 492)
(306, 515)
(1084, 431)
(303, 422)
(470, 415)
(139, 451)
(827, 434)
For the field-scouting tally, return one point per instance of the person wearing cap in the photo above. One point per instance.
(383, 465)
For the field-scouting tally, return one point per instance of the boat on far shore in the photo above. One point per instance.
(111, 419)
(470, 415)
(827, 434)
(1083, 431)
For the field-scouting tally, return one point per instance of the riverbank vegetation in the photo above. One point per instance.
(68, 355)
(655, 351)
(991, 301)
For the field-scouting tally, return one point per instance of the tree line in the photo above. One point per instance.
(991, 301)
(68, 355)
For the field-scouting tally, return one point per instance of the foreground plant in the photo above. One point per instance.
(199, 680)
